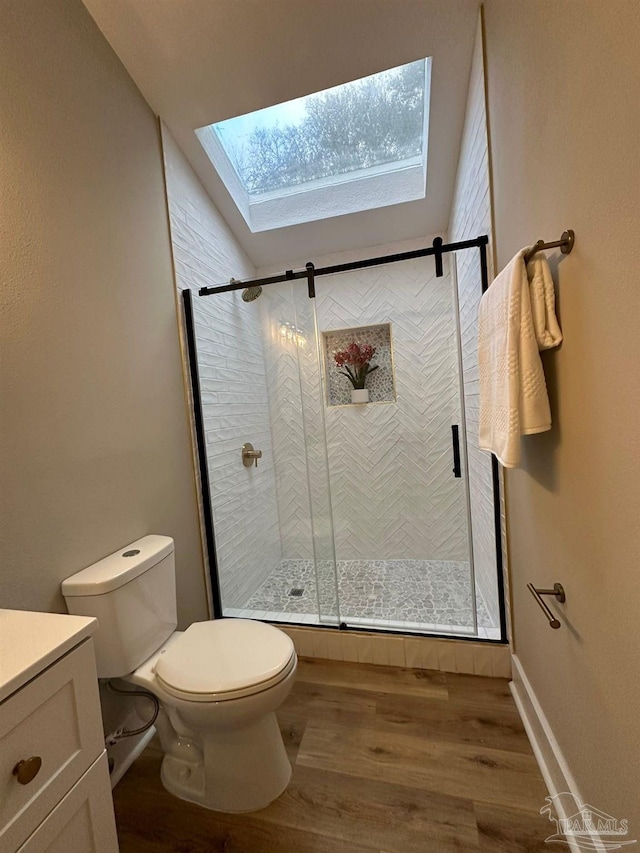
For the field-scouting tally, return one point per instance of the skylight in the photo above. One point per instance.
(354, 147)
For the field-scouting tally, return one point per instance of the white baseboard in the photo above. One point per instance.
(553, 765)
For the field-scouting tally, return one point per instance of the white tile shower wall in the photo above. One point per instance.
(392, 489)
(233, 384)
(298, 434)
(278, 308)
(470, 217)
(318, 458)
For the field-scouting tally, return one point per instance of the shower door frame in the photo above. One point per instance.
(206, 510)
(310, 273)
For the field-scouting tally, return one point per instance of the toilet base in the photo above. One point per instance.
(243, 770)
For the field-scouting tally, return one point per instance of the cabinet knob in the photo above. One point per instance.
(26, 770)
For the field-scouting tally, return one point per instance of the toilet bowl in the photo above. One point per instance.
(218, 683)
(217, 724)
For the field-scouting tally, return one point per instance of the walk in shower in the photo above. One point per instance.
(324, 511)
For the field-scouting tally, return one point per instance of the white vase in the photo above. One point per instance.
(359, 395)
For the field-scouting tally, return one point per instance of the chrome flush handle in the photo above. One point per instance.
(250, 456)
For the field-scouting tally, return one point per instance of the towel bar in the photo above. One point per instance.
(565, 244)
(557, 592)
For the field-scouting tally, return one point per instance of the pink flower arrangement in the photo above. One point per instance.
(356, 360)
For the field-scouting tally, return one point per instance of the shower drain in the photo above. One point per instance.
(296, 591)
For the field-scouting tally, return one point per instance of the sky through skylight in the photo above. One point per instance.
(366, 123)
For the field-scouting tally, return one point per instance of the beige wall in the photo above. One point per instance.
(564, 84)
(95, 447)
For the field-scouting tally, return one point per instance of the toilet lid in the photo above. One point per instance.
(224, 656)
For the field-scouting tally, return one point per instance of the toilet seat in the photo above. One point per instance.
(225, 659)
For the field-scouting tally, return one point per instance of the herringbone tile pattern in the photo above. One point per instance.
(376, 480)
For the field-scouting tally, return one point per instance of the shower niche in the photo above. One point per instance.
(343, 352)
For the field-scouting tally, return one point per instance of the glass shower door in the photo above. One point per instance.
(305, 585)
(357, 512)
(316, 457)
(400, 510)
(270, 548)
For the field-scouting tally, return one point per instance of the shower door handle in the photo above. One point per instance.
(455, 438)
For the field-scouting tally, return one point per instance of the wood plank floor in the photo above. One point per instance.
(385, 760)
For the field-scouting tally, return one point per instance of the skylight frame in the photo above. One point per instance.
(336, 195)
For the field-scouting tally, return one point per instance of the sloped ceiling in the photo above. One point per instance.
(200, 61)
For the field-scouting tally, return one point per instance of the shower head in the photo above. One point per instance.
(251, 293)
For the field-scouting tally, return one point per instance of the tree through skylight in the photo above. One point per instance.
(370, 122)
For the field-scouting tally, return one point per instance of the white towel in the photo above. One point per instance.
(543, 303)
(513, 392)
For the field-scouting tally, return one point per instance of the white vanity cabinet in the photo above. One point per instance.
(55, 795)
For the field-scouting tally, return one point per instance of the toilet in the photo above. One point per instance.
(219, 682)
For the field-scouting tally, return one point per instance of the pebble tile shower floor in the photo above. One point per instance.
(417, 593)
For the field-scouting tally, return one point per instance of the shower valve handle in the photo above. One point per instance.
(250, 456)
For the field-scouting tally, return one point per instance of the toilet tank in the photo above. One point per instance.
(132, 593)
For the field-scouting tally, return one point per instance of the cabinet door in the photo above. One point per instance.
(83, 822)
(54, 725)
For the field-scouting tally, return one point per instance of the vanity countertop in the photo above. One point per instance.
(30, 641)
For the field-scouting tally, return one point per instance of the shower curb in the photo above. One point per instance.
(463, 656)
